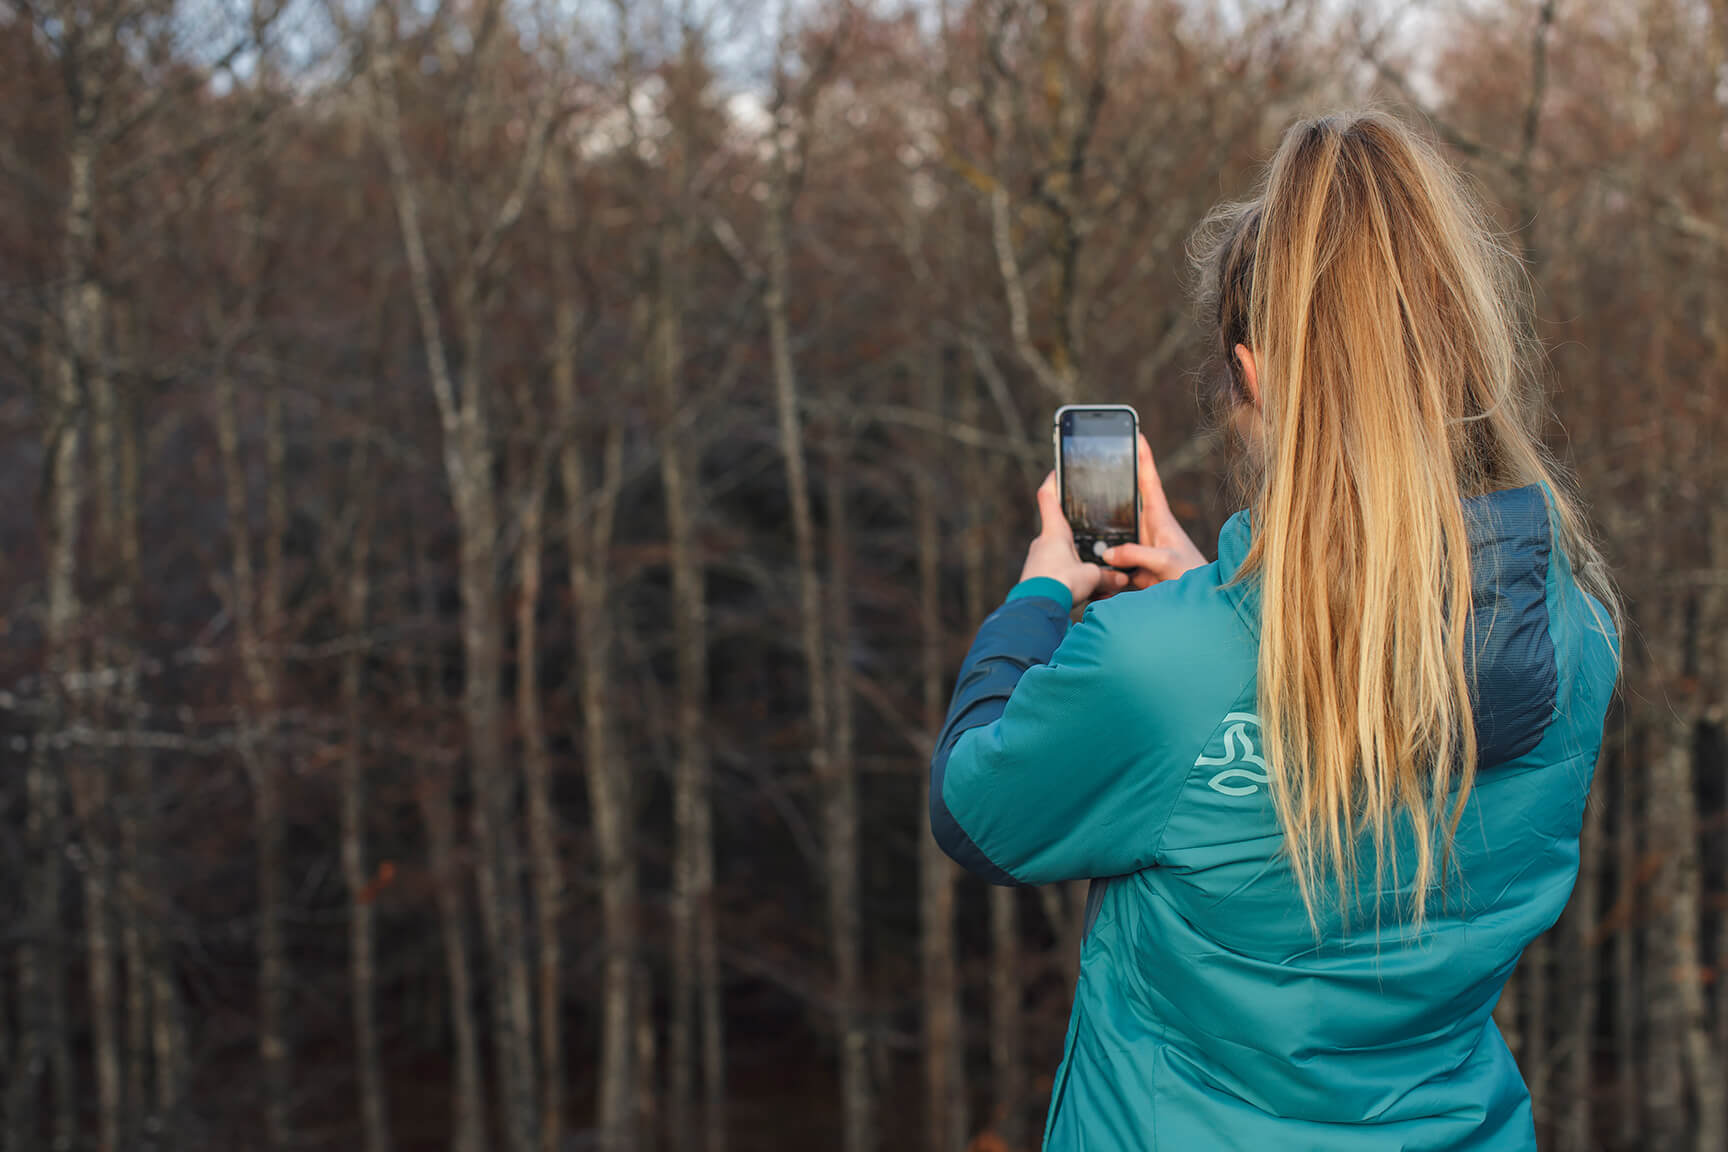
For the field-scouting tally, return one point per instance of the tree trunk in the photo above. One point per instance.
(155, 1037)
(92, 795)
(432, 793)
(499, 873)
(1664, 1071)
(840, 812)
(1007, 1064)
(1509, 1013)
(588, 525)
(467, 456)
(43, 1035)
(1682, 1062)
(1534, 975)
(256, 609)
(1583, 971)
(432, 790)
(839, 860)
(548, 872)
(944, 1049)
(1628, 982)
(361, 964)
(695, 977)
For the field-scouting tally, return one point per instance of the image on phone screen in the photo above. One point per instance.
(1098, 483)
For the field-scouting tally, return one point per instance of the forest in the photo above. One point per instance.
(498, 492)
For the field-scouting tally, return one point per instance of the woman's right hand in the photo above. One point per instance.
(1165, 551)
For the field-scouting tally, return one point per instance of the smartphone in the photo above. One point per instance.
(1097, 474)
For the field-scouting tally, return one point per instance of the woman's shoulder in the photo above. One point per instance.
(1180, 640)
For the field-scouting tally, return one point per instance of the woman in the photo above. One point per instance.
(1329, 786)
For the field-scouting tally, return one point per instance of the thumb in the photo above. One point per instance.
(1051, 522)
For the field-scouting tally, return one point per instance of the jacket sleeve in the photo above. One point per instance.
(1042, 771)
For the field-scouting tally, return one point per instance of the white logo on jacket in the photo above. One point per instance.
(1237, 778)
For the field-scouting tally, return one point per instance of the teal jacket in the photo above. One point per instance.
(1125, 749)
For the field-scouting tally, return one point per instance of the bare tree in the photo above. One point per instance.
(944, 1039)
(695, 948)
(362, 963)
(590, 511)
(257, 609)
(792, 110)
(1573, 1120)
(467, 455)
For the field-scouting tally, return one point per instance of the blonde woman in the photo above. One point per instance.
(1330, 785)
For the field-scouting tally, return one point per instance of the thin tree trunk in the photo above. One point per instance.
(839, 861)
(135, 972)
(588, 529)
(695, 989)
(1680, 1054)
(256, 610)
(1583, 971)
(548, 872)
(499, 871)
(432, 795)
(1664, 1096)
(1509, 1012)
(1007, 1064)
(140, 947)
(1719, 549)
(609, 794)
(467, 454)
(1704, 1072)
(155, 1039)
(1534, 974)
(362, 977)
(1716, 323)
(91, 791)
(588, 523)
(44, 1040)
(1628, 982)
(273, 948)
(840, 808)
(944, 1065)
(1712, 624)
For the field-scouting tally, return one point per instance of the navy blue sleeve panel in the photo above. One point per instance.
(1513, 674)
(1021, 634)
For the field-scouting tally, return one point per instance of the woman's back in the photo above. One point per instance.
(1209, 1014)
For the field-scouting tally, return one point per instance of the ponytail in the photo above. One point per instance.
(1397, 378)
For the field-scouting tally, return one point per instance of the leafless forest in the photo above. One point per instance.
(497, 490)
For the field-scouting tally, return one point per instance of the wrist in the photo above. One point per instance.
(1045, 588)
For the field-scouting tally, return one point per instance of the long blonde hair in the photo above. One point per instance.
(1398, 375)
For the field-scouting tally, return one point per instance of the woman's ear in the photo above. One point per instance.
(1250, 374)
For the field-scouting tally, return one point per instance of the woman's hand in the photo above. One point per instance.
(1164, 551)
(1052, 554)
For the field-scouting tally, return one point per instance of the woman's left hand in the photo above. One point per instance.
(1053, 554)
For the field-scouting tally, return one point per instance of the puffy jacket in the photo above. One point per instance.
(1208, 1014)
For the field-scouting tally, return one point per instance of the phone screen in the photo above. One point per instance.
(1098, 482)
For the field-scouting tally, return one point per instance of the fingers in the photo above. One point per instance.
(1106, 582)
(1050, 519)
(1154, 564)
(1154, 505)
